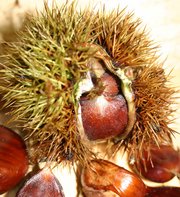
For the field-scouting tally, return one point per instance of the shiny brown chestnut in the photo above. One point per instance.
(13, 159)
(163, 192)
(161, 164)
(105, 179)
(104, 116)
(43, 183)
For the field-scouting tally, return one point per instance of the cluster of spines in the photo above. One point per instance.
(42, 73)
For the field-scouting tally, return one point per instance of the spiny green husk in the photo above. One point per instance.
(41, 73)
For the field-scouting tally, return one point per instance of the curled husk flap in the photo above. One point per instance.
(42, 73)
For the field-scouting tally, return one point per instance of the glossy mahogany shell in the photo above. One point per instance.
(163, 165)
(13, 159)
(104, 178)
(42, 184)
(163, 192)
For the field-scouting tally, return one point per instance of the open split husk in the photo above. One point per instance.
(41, 75)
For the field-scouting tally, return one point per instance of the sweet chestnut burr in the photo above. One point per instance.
(78, 77)
(84, 84)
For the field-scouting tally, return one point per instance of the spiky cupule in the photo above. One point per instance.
(41, 78)
(43, 69)
(154, 112)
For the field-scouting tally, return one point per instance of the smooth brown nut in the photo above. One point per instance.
(104, 117)
(44, 183)
(161, 166)
(13, 159)
(105, 179)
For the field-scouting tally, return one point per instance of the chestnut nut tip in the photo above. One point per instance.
(110, 85)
